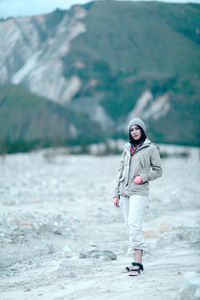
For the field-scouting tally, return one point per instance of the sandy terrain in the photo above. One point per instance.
(55, 206)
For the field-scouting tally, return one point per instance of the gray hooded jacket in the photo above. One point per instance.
(145, 162)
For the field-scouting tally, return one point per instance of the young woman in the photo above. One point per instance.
(139, 164)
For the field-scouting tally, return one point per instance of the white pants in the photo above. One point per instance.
(133, 209)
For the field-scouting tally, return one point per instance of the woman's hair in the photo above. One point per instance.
(141, 140)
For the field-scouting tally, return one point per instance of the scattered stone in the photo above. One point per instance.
(13, 221)
(62, 287)
(194, 238)
(155, 233)
(41, 228)
(46, 248)
(105, 258)
(106, 254)
(6, 241)
(83, 254)
(72, 275)
(190, 286)
(15, 228)
(179, 273)
(57, 231)
(27, 223)
(183, 234)
(166, 238)
(36, 201)
(99, 270)
(188, 234)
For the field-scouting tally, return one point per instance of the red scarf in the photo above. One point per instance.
(133, 149)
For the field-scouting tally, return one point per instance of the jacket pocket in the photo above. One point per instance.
(135, 187)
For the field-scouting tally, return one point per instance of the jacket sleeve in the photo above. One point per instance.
(156, 169)
(120, 172)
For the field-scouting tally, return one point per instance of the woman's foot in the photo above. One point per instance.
(129, 268)
(138, 269)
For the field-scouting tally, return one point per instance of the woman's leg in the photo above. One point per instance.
(124, 204)
(137, 206)
(138, 256)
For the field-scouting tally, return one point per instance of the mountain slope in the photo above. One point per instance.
(113, 60)
(31, 51)
(28, 122)
(151, 38)
(131, 48)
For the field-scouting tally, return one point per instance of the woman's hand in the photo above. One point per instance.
(116, 201)
(138, 180)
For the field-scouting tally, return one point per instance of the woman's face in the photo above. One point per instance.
(136, 132)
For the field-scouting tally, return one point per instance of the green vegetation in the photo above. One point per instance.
(128, 47)
(29, 122)
(139, 38)
(181, 124)
(133, 46)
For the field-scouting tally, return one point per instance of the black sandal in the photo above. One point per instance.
(139, 270)
(128, 269)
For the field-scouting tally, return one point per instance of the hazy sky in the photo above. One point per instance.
(34, 7)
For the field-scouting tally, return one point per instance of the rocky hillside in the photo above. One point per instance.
(32, 49)
(29, 122)
(113, 60)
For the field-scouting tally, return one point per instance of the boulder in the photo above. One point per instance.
(105, 254)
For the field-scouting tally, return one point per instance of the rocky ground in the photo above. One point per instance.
(57, 221)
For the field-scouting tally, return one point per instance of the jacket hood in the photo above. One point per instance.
(137, 121)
